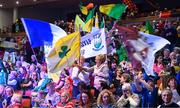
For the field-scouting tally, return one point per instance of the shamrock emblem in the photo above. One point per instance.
(64, 51)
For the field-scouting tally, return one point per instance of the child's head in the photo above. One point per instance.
(16, 98)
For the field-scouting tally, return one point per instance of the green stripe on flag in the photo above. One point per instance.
(113, 10)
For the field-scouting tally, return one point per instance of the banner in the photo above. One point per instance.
(93, 44)
(7, 44)
(10, 57)
(141, 47)
(66, 50)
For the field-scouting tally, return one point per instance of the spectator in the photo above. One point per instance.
(81, 87)
(1, 95)
(166, 58)
(78, 76)
(13, 80)
(125, 78)
(38, 99)
(172, 85)
(158, 66)
(167, 99)
(128, 99)
(26, 83)
(85, 100)
(147, 91)
(16, 101)
(105, 99)
(65, 101)
(61, 81)
(8, 95)
(116, 82)
(35, 80)
(52, 98)
(33, 60)
(100, 72)
(67, 86)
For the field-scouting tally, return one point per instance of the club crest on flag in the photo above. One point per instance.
(93, 44)
(97, 42)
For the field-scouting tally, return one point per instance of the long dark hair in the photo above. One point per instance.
(88, 105)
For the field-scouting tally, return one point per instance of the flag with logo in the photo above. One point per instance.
(141, 47)
(113, 10)
(66, 50)
(93, 44)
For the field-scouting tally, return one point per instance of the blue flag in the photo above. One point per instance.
(41, 33)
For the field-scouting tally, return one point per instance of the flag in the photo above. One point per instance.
(141, 47)
(83, 9)
(79, 23)
(155, 44)
(102, 23)
(41, 33)
(122, 54)
(113, 10)
(96, 21)
(66, 50)
(149, 28)
(89, 20)
(93, 44)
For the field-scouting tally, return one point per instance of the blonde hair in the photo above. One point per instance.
(127, 86)
(111, 97)
(101, 57)
(16, 98)
(168, 91)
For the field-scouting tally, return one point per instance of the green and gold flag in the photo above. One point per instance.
(113, 10)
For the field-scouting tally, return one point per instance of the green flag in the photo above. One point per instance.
(102, 25)
(89, 20)
(113, 10)
(79, 24)
(149, 28)
(83, 9)
(90, 15)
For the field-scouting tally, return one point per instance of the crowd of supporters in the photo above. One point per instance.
(106, 81)
(104, 84)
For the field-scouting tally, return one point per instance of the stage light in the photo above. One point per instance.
(17, 2)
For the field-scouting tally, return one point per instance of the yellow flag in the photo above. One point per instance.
(84, 10)
(79, 24)
(66, 50)
(88, 26)
(96, 21)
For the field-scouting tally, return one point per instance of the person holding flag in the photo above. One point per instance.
(100, 72)
(60, 50)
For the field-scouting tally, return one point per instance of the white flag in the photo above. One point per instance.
(155, 43)
(93, 44)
